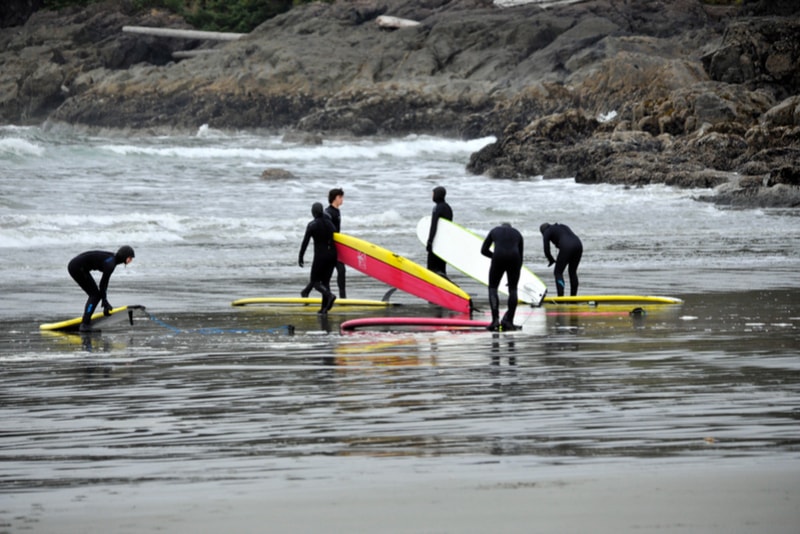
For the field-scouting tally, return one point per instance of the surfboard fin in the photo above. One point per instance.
(472, 307)
(388, 294)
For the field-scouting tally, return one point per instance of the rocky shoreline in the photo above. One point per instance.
(675, 92)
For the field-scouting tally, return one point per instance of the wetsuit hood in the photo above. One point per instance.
(544, 227)
(316, 210)
(439, 193)
(124, 253)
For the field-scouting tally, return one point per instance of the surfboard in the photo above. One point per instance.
(461, 248)
(98, 319)
(310, 301)
(402, 273)
(595, 300)
(426, 323)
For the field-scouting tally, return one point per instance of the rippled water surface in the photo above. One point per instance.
(717, 376)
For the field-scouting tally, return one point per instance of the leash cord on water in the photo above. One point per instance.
(285, 329)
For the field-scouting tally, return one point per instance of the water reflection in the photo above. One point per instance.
(503, 344)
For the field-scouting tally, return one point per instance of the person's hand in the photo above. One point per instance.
(300, 262)
(550, 262)
(107, 308)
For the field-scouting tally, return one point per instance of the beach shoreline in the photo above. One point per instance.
(755, 495)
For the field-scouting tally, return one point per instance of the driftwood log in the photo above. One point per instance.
(184, 34)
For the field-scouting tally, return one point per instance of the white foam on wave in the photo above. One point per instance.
(16, 146)
(384, 218)
(41, 230)
(205, 131)
(410, 147)
(183, 152)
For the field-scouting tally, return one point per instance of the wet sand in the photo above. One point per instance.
(751, 496)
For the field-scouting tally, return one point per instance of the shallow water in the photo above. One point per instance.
(223, 395)
(197, 392)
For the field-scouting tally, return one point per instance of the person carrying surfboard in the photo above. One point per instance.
(506, 259)
(570, 250)
(80, 268)
(321, 230)
(335, 200)
(441, 209)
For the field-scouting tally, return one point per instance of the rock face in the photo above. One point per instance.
(732, 124)
(670, 91)
(55, 57)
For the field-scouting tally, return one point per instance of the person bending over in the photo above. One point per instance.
(80, 269)
(570, 250)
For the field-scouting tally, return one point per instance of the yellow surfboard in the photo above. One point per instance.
(310, 301)
(594, 300)
(97, 319)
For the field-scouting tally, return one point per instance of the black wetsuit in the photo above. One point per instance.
(321, 230)
(336, 217)
(506, 259)
(570, 250)
(80, 268)
(440, 210)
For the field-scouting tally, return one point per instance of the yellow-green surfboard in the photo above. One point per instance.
(594, 300)
(98, 319)
(309, 301)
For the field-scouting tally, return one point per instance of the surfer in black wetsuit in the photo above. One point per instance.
(440, 210)
(80, 268)
(506, 259)
(570, 250)
(321, 230)
(335, 199)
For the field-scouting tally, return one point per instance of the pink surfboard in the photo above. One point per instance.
(418, 322)
(400, 272)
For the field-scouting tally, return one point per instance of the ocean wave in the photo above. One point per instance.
(411, 147)
(40, 230)
(17, 146)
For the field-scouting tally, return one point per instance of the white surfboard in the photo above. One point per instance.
(461, 248)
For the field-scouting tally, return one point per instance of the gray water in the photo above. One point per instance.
(199, 394)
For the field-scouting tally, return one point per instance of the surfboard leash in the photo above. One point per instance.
(285, 329)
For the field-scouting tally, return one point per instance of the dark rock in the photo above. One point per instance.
(759, 52)
(302, 138)
(787, 175)
(694, 133)
(753, 194)
(277, 174)
(57, 56)
(762, 8)
(16, 12)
